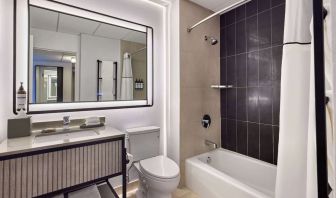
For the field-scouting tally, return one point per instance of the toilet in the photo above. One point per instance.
(158, 175)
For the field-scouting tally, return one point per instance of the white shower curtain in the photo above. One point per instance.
(296, 176)
(294, 103)
(127, 78)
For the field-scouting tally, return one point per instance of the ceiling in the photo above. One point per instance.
(53, 56)
(58, 22)
(215, 5)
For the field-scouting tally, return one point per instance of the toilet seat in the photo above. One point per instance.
(160, 167)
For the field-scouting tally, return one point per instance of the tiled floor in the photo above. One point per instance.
(179, 193)
(104, 191)
(184, 193)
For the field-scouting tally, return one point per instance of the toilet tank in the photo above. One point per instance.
(143, 142)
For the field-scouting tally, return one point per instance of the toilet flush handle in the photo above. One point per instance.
(127, 160)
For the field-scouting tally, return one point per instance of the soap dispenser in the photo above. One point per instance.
(21, 99)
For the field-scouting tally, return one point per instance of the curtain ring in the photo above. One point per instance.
(325, 12)
(327, 99)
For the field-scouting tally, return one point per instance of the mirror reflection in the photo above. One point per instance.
(73, 59)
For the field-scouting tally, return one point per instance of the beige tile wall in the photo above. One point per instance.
(200, 68)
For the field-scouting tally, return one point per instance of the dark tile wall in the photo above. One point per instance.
(251, 53)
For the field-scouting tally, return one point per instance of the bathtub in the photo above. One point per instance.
(226, 174)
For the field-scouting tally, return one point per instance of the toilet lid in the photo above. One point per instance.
(160, 167)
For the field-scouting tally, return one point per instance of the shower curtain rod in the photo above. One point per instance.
(239, 3)
(138, 51)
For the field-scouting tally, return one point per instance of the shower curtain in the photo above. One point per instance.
(296, 174)
(127, 78)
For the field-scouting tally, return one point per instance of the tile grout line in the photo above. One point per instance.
(236, 83)
(258, 79)
(226, 81)
(272, 72)
(251, 122)
(252, 51)
(247, 17)
(246, 84)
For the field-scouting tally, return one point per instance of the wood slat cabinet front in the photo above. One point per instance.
(46, 172)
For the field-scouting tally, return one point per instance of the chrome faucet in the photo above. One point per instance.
(66, 122)
(211, 144)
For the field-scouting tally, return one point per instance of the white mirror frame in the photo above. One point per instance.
(21, 56)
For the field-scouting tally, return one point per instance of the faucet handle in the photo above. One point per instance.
(66, 120)
(206, 121)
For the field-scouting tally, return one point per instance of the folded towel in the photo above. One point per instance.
(92, 121)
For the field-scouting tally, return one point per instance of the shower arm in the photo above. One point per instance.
(189, 29)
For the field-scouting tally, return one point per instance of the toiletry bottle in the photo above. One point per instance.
(21, 100)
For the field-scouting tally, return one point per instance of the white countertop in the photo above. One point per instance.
(26, 144)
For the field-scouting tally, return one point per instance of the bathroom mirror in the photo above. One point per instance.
(72, 59)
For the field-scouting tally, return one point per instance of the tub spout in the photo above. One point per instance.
(211, 144)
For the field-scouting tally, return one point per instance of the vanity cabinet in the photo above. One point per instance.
(51, 171)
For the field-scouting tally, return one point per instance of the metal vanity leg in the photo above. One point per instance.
(124, 183)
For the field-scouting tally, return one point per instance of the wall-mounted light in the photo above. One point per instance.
(73, 60)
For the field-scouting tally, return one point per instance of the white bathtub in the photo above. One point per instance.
(230, 175)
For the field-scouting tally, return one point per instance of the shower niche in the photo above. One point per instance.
(97, 58)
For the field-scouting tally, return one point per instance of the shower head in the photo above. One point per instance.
(211, 39)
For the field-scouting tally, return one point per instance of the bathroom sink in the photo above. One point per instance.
(61, 136)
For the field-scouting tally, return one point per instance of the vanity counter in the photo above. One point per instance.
(27, 144)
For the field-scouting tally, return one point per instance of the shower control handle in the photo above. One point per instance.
(206, 121)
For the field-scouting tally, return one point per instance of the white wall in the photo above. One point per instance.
(132, 10)
(173, 104)
(6, 57)
(95, 48)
